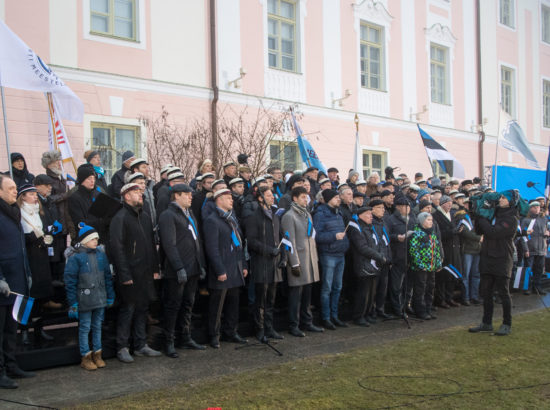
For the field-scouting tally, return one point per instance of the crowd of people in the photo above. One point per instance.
(384, 249)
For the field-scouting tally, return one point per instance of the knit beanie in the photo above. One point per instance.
(328, 194)
(86, 233)
(84, 171)
(444, 199)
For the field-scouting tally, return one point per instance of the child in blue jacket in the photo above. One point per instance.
(89, 288)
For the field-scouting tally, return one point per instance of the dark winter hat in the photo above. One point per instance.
(43, 179)
(385, 192)
(444, 199)
(293, 179)
(84, 171)
(423, 204)
(91, 155)
(332, 169)
(400, 200)
(328, 194)
(359, 211)
(86, 233)
(15, 156)
(418, 175)
(359, 195)
(310, 169)
(127, 155)
(25, 188)
(375, 202)
(466, 182)
(181, 188)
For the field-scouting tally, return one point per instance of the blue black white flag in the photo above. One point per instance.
(22, 309)
(444, 158)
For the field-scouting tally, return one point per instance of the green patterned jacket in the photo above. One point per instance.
(424, 251)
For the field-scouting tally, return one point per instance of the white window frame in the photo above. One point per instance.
(296, 43)
(141, 34)
(513, 11)
(547, 80)
(378, 150)
(513, 93)
(447, 85)
(281, 140)
(544, 8)
(383, 53)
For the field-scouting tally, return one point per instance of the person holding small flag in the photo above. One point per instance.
(15, 279)
(267, 257)
(534, 228)
(332, 245)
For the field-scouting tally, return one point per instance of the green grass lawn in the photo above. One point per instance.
(444, 370)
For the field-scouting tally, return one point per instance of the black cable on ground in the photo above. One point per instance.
(37, 406)
(434, 396)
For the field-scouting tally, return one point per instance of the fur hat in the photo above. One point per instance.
(50, 156)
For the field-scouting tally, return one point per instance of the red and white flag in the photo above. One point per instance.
(57, 137)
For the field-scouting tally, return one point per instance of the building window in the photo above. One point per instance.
(114, 18)
(439, 63)
(374, 161)
(372, 56)
(507, 89)
(545, 24)
(546, 103)
(281, 21)
(112, 140)
(285, 155)
(506, 12)
(438, 171)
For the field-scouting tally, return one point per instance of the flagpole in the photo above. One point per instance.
(6, 129)
(356, 150)
(496, 149)
(54, 136)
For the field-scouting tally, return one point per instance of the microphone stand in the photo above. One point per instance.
(404, 315)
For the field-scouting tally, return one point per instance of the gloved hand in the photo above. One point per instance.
(4, 288)
(73, 311)
(203, 274)
(29, 282)
(56, 227)
(182, 276)
(275, 252)
(282, 265)
(296, 271)
(110, 302)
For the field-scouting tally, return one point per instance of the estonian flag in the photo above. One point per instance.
(453, 271)
(22, 309)
(444, 158)
(288, 244)
(521, 280)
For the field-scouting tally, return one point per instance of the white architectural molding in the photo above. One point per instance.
(229, 44)
(440, 34)
(373, 11)
(374, 102)
(441, 114)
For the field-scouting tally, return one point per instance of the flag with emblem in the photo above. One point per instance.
(57, 137)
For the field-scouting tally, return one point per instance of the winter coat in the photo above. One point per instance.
(14, 267)
(199, 199)
(382, 238)
(295, 221)
(425, 250)
(79, 203)
(285, 201)
(470, 241)
(51, 215)
(180, 242)
(163, 198)
(117, 182)
(536, 241)
(347, 212)
(497, 249)
(263, 233)
(398, 225)
(20, 177)
(157, 186)
(88, 280)
(328, 222)
(450, 240)
(60, 194)
(365, 249)
(224, 255)
(208, 208)
(134, 254)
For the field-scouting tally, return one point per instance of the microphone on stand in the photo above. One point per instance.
(531, 184)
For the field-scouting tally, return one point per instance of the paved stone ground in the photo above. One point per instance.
(70, 385)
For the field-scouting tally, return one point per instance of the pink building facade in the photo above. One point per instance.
(394, 62)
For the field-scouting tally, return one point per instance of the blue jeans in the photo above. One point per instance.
(91, 319)
(331, 284)
(470, 276)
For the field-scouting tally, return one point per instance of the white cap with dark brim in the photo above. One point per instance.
(129, 187)
(176, 175)
(221, 192)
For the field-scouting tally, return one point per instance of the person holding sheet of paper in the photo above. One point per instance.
(534, 229)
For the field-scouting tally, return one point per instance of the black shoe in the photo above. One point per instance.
(425, 316)
(465, 302)
(192, 345)
(215, 342)
(170, 350)
(236, 338)
(361, 322)
(16, 372)
(338, 322)
(329, 325)
(45, 336)
(372, 320)
(25, 338)
(272, 334)
(385, 316)
(475, 302)
(313, 328)
(7, 383)
(481, 328)
(261, 337)
(294, 331)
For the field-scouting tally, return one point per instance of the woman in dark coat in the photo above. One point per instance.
(263, 235)
(21, 174)
(94, 159)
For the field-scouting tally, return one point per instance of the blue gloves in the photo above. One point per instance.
(73, 311)
(56, 227)
(110, 302)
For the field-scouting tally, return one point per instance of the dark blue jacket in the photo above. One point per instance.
(328, 222)
(88, 279)
(14, 267)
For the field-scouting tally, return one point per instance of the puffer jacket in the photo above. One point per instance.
(328, 222)
(88, 280)
(425, 251)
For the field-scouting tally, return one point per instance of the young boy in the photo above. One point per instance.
(89, 289)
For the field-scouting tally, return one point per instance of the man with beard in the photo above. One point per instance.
(136, 265)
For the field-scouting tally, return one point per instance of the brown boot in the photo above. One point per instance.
(97, 359)
(87, 362)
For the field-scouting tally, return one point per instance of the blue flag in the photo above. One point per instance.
(547, 189)
(308, 154)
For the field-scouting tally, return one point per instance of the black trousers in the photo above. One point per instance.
(132, 319)
(8, 332)
(363, 297)
(226, 300)
(398, 273)
(423, 292)
(500, 284)
(178, 306)
(299, 312)
(537, 262)
(263, 305)
(382, 288)
(444, 286)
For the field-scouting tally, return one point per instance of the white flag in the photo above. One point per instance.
(512, 137)
(20, 67)
(56, 133)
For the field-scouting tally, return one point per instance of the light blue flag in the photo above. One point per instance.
(512, 138)
(308, 154)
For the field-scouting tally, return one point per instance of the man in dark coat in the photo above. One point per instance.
(263, 231)
(51, 161)
(183, 265)
(200, 197)
(163, 180)
(229, 172)
(401, 222)
(227, 269)
(286, 200)
(135, 259)
(14, 277)
(236, 185)
(164, 193)
(117, 180)
(311, 175)
(450, 238)
(534, 227)
(279, 187)
(21, 174)
(496, 261)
